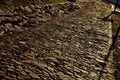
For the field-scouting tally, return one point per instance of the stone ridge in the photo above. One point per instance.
(64, 41)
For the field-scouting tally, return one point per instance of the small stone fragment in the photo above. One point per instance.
(18, 28)
(58, 52)
(22, 42)
(2, 32)
(28, 9)
(1, 12)
(80, 78)
(51, 69)
(33, 75)
(85, 72)
(10, 26)
(101, 61)
(21, 7)
(93, 74)
(110, 70)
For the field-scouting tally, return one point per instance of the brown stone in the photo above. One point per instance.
(1, 12)
(27, 8)
(9, 26)
(18, 28)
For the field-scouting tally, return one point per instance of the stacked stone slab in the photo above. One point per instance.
(66, 41)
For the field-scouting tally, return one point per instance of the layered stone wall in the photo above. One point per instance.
(66, 41)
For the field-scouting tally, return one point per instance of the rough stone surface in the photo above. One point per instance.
(66, 41)
(116, 48)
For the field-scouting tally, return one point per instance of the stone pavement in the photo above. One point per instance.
(66, 41)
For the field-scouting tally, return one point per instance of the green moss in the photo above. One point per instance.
(8, 3)
(115, 16)
(13, 3)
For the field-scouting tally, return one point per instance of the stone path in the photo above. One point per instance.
(56, 42)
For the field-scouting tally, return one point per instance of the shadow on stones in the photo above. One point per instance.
(72, 0)
(107, 18)
(112, 48)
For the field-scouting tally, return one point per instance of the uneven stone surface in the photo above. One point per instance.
(66, 41)
(116, 58)
(116, 49)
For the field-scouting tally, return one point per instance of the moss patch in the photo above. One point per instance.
(115, 16)
(10, 4)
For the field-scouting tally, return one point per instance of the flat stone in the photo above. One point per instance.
(110, 70)
(57, 52)
(22, 42)
(93, 74)
(1, 12)
(85, 0)
(51, 69)
(33, 75)
(1, 33)
(100, 61)
(27, 8)
(63, 76)
(21, 7)
(85, 72)
(10, 26)
(18, 28)
(79, 79)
